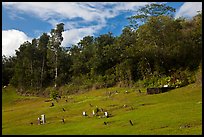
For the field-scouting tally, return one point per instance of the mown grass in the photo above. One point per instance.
(175, 112)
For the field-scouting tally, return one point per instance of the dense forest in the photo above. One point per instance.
(153, 50)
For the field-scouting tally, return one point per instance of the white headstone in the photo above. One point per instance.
(43, 119)
(93, 112)
(84, 113)
(38, 121)
(106, 114)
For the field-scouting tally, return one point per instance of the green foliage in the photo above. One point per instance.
(177, 79)
(110, 80)
(150, 10)
(7, 69)
(199, 74)
(53, 93)
(124, 73)
(182, 78)
(154, 81)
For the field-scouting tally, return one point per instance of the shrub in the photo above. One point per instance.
(182, 78)
(53, 94)
(198, 75)
(110, 80)
(178, 79)
(139, 84)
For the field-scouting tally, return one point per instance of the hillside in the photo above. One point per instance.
(178, 111)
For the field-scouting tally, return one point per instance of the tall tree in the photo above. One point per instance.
(150, 10)
(43, 43)
(55, 42)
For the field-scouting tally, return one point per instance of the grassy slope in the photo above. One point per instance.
(175, 112)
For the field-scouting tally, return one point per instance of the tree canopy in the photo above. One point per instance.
(161, 47)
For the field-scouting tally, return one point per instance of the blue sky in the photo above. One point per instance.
(22, 21)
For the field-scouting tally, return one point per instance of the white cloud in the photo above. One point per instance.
(50, 10)
(11, 41)
(189, 9)
(88, 11)
(56, 12)
(130, 5)
(73, 14)
(73, 36)
(77, 17)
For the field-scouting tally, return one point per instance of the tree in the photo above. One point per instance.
(7, 69)
(191, 47)
(43, 46)
(150, 10)
(64, 70)
(55, 42)
(25, 65)
(100, 60)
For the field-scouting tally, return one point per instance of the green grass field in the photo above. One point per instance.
(177, 112)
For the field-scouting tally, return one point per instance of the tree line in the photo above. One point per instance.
(153, 47)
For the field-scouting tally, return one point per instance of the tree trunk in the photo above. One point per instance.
(42, 72)
(56, 69)
(31, 80)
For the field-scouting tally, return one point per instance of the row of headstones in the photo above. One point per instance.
(94, 114)
(42, 120)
